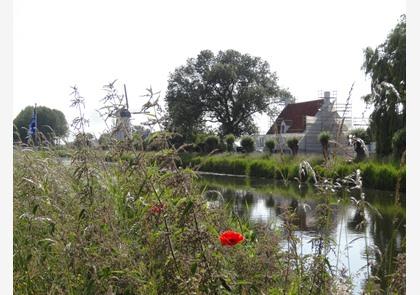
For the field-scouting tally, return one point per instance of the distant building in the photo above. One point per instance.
(122, 129)
(293, 117)
(305, 120)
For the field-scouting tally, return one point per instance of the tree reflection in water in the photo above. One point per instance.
(266, 201)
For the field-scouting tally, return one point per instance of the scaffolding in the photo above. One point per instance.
(334, 117)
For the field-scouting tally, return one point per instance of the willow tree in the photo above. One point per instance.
(226, 89)
(386, 66)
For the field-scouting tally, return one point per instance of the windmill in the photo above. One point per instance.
(123, 128)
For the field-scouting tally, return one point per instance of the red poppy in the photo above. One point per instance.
(230, 238)
(157, 209)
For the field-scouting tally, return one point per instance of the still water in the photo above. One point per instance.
(264, 201)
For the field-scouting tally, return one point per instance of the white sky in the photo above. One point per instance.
(312, 45)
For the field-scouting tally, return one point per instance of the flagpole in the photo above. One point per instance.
(36, 126)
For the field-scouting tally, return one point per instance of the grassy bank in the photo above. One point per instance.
(141, 226)
(376, 175)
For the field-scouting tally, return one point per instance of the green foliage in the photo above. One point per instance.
(248, 144)
(386, 66)
(222, 147)
(235, 166)
(51, 123)
(211, 143)
(293, 144)
(362, 134)
(261, 168)
(398, 143)
(270, 144)
(162, 140)
(86, 228)
(227, 88)
(324, 138)
(83, 139)
(230, 139)
(105, 140)
(376, 175)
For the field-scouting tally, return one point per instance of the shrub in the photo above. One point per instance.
(221, 146)
(293, 144)
(230, 139)
(324, 138)
(248, 144)
(105, 140)
(199, 140)
(270, 144)
(162, 139)
(210, 143)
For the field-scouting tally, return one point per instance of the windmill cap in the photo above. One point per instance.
(125, 113)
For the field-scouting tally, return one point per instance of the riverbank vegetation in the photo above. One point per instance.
(142, 226)
(376, 174)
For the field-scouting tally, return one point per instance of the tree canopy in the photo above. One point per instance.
(386, 66)
(51, 122)
(227, 88)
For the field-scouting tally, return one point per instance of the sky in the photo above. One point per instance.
(311, 45)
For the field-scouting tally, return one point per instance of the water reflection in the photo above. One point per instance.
(264, 201)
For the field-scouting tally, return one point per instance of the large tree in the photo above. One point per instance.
(227, 88)
(386, 67)
(51, 123)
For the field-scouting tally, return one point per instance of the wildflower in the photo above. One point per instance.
(157, 209)
(230, 238)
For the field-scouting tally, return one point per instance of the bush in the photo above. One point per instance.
(210, 143)
(293, 144)
(162, 139)
(230, 139)
(248, 144)
(105, 140)
(270, 144)
(222, 147)
(398, 143)
(324, 138)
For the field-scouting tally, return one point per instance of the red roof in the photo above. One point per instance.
(294, 116)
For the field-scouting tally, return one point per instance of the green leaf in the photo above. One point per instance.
(193, 268)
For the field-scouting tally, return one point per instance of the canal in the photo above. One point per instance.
(357, 249)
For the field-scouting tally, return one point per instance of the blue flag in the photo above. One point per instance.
(33, 125)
